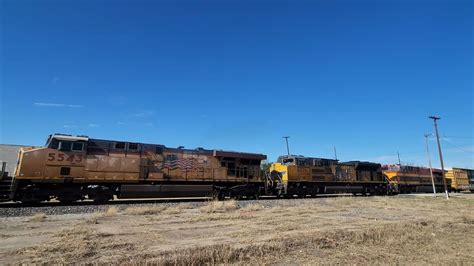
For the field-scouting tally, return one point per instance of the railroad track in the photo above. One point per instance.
(54, 203)
(151, 201)
(11, 209)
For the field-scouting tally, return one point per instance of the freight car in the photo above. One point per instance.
(302, 176)
(470, 175)
(71, 168)
(462, 179)
(459, 179)
(413, 178)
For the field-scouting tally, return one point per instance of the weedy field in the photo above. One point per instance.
(355, 230)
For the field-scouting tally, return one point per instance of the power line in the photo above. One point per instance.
(457, 137)
(457, 147)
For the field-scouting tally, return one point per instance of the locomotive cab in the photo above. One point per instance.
(287, 160)
(67, 143)
(61, 158)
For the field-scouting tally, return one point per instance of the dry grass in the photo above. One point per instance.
(149, 210)
(172, 210)
(146, 210)
(112, 211)
(354, 230)
(252, 207)
(184, 206)
(94, 218)
(74, 245)
(175, 209)
(219, 206)
(38, 217)
(207, 217)
(397, 243)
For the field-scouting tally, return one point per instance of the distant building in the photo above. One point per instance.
(9, 154)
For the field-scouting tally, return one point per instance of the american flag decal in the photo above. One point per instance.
(173, 162)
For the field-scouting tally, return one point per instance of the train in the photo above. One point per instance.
(72, 168)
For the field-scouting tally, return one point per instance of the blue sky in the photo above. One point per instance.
(360, 75)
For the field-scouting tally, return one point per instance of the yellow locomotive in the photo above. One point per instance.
(302, 176)
(71, 168)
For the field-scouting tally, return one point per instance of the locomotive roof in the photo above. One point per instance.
(361, 163)
(464, 169)
(215, 152)
(397, 168)
(304, 157)
(68, 137)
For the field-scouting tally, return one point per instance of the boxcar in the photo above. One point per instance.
(458, 178)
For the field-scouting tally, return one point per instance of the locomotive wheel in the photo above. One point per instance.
(237, 197)
(100, 194)
(302, 192)
(28, 201)
(101, 198)
(254, 197)
(218, 195)
(68, 199)
(29, 198)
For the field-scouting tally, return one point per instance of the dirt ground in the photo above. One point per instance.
(355, 230)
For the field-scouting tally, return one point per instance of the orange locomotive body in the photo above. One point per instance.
(413, 178)
(71, 168)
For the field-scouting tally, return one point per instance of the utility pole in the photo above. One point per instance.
(399, 162)
(335, 153)
(287, 147)
(436, 118)
(429, 162)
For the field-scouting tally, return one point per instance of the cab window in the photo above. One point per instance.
(120, 145)
(133, 146)
(71, 146)
(302, 162)
(65, 145)
(78, 146)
